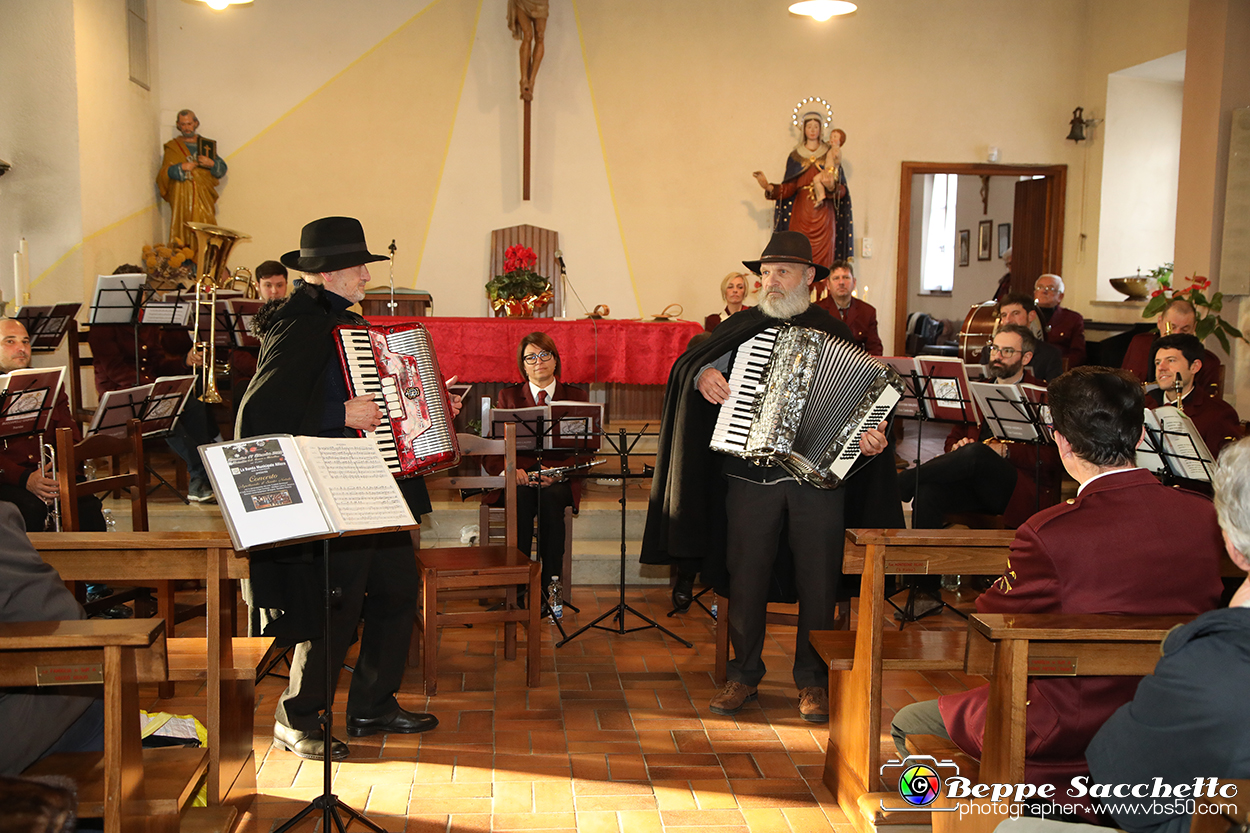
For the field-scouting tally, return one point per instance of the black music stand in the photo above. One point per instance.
(1182, 456)
(623, 446)
(48, 325)
(158, 405)
(118, 299)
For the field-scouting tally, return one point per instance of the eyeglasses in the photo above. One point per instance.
(1005, 352)
(535, 358)
(1048, 290)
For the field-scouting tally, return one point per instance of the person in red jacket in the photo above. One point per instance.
(1065, 328)
(1111, 549)
(538, 361)
(1178, 358)
(1177, 318)
(733, 291)
(22, 481)
(860, 316)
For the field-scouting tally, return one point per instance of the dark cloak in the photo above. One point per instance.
(686, 519)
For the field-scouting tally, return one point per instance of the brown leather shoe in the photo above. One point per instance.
(814, 704)
(729, 700)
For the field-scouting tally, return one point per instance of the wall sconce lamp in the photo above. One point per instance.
(219, 5)
(822, 10)
(1080, 124)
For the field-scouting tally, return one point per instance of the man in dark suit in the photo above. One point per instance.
(842, 304)
(1047, 361)
(1064, 328)
(539, 363)
(1178, 359)
(1112, 549)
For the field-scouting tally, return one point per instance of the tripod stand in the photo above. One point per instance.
(328, 803)
(623, 447)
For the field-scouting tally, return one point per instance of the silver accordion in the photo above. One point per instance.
(801, 399)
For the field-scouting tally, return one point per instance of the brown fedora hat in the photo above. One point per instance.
(788, 247)
(330, 244)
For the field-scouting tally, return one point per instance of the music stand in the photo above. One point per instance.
(27, 399)
(158, 405)
(47, 325)
(1173, 448)
(118, 300)
(623, 447)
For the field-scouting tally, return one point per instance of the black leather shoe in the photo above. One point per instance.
(683, 594)
(310, 745)
(400, 721)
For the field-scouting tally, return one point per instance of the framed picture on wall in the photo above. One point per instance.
(985, 233)
(965, 246)
(1004, 238)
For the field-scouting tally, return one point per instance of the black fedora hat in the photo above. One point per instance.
(330, 244)
(788, 247)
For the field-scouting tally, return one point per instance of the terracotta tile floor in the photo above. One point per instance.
(617, 738)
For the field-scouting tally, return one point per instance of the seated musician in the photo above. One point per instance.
(162, 351)
(36, 722)
(22, 481)
(1189, 719)
(980, 473)
(1179, 358)
(538, 361)
(842, 304)
(733, 291)
(1047, 362)
(1177, 318)
(1112, 549)
(271, 285)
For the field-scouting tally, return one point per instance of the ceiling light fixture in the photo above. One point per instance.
(822, 10)
(220, 5)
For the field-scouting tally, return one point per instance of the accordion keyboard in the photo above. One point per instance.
(363, 378)
(746, 379)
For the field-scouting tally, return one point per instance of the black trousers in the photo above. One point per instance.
(972, 478)
(555, 499)
(814, 520)
(35, 511)
(378, 577)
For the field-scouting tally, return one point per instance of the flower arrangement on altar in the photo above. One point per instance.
(169, 265)
(1206, 309)
(519, 291)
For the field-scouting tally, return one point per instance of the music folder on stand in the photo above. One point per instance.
(158, 405)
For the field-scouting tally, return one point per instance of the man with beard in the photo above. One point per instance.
(723, 513)
(979, 473)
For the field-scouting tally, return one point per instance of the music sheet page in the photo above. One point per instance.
(357, 489)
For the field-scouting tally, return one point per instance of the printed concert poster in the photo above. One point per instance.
(262, 475)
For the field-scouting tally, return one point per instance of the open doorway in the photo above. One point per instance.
(1023, 203)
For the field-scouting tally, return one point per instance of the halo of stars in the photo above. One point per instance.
(799, 109)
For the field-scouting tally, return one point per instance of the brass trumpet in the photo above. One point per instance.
(212, 249)
(47, 461)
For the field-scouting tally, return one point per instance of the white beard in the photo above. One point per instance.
(790, 304)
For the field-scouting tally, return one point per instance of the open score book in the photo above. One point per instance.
(284, 489)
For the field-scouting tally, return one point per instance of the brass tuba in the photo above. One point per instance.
(212, 249)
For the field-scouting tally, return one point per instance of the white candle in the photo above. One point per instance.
(23, 277)
(17, 276)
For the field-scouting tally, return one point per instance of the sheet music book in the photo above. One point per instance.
(946, 392)
(567, 425)
(117, 298)
(1006, 410)
(167, 312)
(905, 366)
(1172, 444)
(27, 397)
(284, 489)
(46, 326)
(157, 404)
(1039, 398)
(242, 311)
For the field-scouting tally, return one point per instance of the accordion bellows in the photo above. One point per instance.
(801, 398)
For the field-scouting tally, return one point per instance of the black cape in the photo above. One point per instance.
(686, 519)
(287, 396)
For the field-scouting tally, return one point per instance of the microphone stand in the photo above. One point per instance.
(392, 306)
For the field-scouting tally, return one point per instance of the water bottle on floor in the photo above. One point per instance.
(553, 599)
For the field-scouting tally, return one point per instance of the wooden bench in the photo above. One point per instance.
(225, 664)
(857, 658)
(131, 788)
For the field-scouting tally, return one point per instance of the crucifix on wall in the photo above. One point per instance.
(528, 21)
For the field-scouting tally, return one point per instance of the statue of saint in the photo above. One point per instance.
(528, 21)
(813, 197)
(188, 178)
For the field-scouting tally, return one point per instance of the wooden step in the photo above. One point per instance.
(188, 658)
(898, 821)
(171, 778)
(218, 819)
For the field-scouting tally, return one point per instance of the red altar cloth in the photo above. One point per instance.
(624, 352)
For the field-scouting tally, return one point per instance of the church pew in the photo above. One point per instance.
(857, 658)
(133, 789)
(225, 664)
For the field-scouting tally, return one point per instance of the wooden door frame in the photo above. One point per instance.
(1052, 256)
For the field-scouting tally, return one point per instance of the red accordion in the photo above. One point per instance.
(397, 366)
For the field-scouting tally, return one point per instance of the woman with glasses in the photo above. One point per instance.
(538, 361)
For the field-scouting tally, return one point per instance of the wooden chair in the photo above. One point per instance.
(858, 658)
(492, 522)
(544, 242)
(77, 361)
(71, 456)
(477, 572)
(132, 788)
